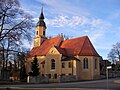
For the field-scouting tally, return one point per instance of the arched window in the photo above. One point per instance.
(70, 64)
(95, 63)
(85, 63)
(63, 65)
(52, 64)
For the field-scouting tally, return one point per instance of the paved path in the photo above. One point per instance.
(98, 84)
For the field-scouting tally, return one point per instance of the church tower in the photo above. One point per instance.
(40, 30)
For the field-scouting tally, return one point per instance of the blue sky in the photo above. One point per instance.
(98, 19)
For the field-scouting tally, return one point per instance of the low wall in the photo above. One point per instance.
(40, 79)
(37, 79)
(68, 78)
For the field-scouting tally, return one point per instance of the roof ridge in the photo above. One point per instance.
(53, 37)
(76, 38)
(92, 48)
(59, 49)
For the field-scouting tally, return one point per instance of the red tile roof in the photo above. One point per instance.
(73, 46)
(77, 46)
(45, 47)
(61, 50)
(88, 49)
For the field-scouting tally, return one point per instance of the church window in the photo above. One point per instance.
(55, 76)
(70, 64)
(49, 75)
(42, 65)
(43, 75)
(52, 64)
(85, 63)
(95, 63)
(63, 65)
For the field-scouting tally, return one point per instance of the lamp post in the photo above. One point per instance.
(108, 67)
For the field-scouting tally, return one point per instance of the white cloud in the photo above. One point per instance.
(63, 21)
(63, 7)
(59, 21)
(96, 35)
(107, 47)
(96, 22)
(102, 23)
(86, 31)
(72, 18)
(77, 20)
(95, 28)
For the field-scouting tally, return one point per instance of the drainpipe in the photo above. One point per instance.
(72, 67)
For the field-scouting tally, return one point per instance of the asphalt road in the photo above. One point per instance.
(98, 84)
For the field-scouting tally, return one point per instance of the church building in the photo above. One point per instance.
(59, 59)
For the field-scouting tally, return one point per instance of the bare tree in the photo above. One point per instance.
(15, 27)
(114, 54)
(14, 20)
(65, 37)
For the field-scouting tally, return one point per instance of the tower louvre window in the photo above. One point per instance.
(44, 33)
(37, 32)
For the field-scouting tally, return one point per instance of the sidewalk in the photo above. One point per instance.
(51, 89)
(3, 82)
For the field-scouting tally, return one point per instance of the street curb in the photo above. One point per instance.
(50, 89)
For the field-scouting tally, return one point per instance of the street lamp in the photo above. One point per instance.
(108, 67)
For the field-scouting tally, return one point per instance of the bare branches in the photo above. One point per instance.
(12, 18)
(115, 52)
(15, 25)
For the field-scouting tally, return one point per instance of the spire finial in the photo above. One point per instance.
(41, 15)
(42, 9)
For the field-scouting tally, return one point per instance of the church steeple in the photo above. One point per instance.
(40, 30)
(41, 19)
(41, 15)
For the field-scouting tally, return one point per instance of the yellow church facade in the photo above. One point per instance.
(64, 60)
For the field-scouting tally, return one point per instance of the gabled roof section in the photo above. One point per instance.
(45, 47)
(73, 46)
(79, 46)
(61, 50)
(88, 49)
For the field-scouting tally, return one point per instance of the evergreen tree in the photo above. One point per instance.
(35, 69)
(23, 75)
